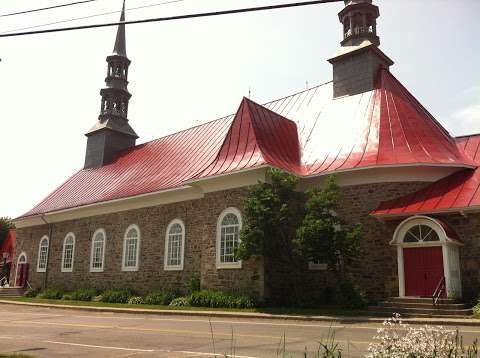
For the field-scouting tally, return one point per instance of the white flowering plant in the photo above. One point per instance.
(396, 339)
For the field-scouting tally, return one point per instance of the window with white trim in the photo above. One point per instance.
(68, 252)
(42, 255)
(131, 248)
(97, 256)
(228, 237)
(174, 245)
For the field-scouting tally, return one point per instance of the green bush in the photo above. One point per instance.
(136, 300)
(83, 294)
(31, 292)
(54, 293)
(117, 296)
(218, 299)
(193, 284)
(161, 297)
(350, 295)
(476, 309)
(67, 297)
(180, 302)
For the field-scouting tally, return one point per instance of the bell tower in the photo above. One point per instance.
(359, 19)
(112, 133)
(358, 60)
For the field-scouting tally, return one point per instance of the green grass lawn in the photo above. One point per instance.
(326, 311)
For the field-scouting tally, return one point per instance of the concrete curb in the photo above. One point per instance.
(226, 314)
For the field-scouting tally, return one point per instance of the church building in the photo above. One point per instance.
(156, 214)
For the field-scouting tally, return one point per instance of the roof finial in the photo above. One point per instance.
(120, 48)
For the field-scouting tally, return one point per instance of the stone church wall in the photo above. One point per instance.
(376, 272)
(200, 218)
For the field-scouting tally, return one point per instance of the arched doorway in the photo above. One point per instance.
(427, 252)
(21, 274)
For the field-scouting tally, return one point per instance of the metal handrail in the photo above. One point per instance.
(438, 290)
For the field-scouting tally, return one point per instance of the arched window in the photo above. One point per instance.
(174, 245)
(42, 254)
(131, 248)
(22, 259)
(97, 256)
(228, 237)
(420, 233)
(68, 252)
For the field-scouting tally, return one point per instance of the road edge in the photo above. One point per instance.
(225, 314)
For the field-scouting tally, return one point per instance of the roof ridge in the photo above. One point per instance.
(233, 114)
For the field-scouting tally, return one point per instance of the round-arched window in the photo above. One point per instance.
(420, 233)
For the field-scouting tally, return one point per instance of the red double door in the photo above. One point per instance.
(423, 267)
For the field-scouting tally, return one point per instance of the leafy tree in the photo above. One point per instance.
(272, 215)
(5, 225)
(323, 236)
(278, 225)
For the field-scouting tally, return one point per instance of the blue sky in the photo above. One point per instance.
(188, 72)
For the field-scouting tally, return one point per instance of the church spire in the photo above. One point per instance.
(120, 47)
(112, 133)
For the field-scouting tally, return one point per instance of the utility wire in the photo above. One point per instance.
(47, 8)
(170, 18)
(90, 16)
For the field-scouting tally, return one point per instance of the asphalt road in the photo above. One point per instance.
(46, 332)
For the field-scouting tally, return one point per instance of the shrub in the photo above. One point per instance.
(31, 292)
(55, 293)
(476, 309)
(349, 295)
(117, 296)
(97, 298)
(217, 299)
(136, 300)
(67, 297)
(180, 302)
(193, 284)
(84, 294)
(161, 297)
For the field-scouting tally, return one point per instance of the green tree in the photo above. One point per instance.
(323, 236)
(5, 225)
(278, 226)
(272, 215)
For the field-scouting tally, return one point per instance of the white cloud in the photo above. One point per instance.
(466, 120)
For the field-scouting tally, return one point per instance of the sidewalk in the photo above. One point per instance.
(230, 314)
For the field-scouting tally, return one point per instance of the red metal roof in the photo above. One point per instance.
(383, 127)
(458, 191)
(257, 137)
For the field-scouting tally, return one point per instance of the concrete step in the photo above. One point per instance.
(430, 305)
(422, 300)
(428, 312)
(11, 291)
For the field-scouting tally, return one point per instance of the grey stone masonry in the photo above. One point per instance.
(356, 72)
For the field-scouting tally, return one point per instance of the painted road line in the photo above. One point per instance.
(158, 330)
(104, 347)
(145, 350)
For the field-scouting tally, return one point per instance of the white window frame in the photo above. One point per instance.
(227, 265)
(137, 254)
(70, 269)
(317, 266)
(43, 269)
(98, 269)
(166, 266)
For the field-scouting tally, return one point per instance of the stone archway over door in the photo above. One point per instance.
(425, 255)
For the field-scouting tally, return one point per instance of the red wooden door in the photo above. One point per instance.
(423, 268)
(22, 272)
